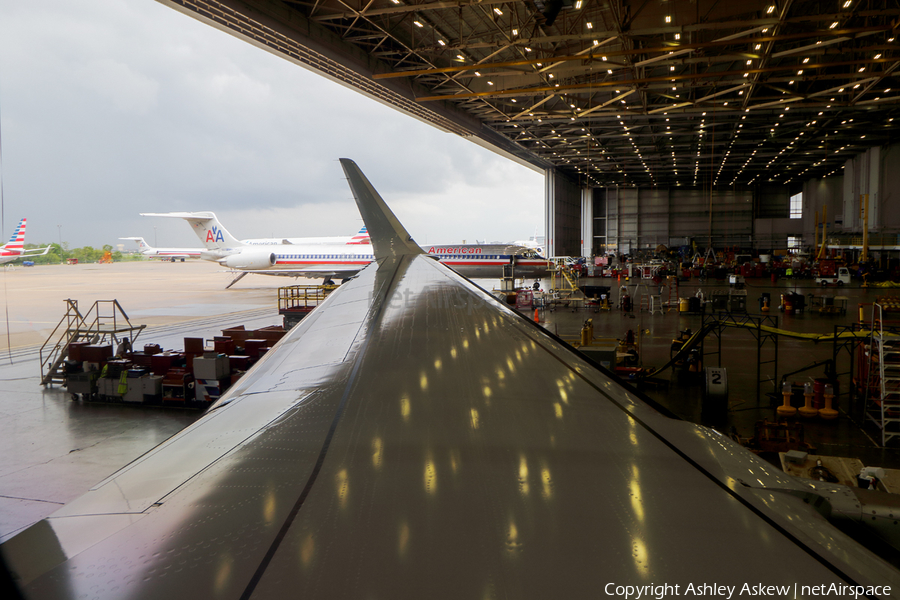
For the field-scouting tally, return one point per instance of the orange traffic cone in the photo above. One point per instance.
(537, 319)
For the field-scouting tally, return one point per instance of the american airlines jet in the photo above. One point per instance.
(213, 235)
(319, 258)
(15, 247)
(172, 254)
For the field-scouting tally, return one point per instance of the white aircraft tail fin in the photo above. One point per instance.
(142, 245)
(207, 227)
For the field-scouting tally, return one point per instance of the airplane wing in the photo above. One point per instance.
(414, 438)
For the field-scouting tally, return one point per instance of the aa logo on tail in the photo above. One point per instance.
(214, 235)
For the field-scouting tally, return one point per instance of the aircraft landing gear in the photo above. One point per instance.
(328, 282)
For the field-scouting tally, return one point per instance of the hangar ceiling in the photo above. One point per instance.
(646, 92)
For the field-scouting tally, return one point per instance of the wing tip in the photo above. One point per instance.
(387, 234)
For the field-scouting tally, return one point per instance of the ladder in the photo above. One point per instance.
(883, 408)
(650, 302)
(671, 302)
(105, 322)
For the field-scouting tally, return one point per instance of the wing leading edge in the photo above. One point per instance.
(414, 438)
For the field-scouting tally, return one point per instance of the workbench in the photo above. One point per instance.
(845, 469)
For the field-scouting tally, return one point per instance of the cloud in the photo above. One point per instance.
(115, 107)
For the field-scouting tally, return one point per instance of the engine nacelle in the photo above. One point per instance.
(255, 260)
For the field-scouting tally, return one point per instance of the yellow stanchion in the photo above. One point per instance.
(786, 410)
(807, 411)
(828, 412)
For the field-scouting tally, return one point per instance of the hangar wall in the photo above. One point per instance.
(875, 172)
(629, 219)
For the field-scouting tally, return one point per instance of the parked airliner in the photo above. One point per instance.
(215, 237)
(172, 254)
(14, 249)
(319, 259)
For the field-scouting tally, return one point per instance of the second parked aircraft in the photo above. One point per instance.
(341, 258)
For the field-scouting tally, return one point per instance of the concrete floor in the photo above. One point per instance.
(55, 449)
(848, 436)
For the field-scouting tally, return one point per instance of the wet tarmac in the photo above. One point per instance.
(55, 449)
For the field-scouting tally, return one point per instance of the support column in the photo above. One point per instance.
(587, 221)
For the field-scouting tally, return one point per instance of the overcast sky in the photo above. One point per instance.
(110, 108)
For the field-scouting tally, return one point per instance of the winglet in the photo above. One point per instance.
(389, 237)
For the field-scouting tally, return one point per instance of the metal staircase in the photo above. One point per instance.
(883, 406)
(104, 323)
(566, 282)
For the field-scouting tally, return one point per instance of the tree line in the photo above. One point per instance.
(87, 254)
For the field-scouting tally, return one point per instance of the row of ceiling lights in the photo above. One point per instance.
(672, 68)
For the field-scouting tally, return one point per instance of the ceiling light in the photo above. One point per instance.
(589, 25)
(770, 9)
(677, 36)
(477, 74)
(805, 60)
(848, 3)
(578, 4)
(603, 57)
(757, 47)
(418, 24)
(877, 56)
(596, 43)
(460, 57)
(490, 83)
(499, 12)
(833, 25)
(441, 42)
(527, 49)
(515, 32)
(668, 19)
(800, 72)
